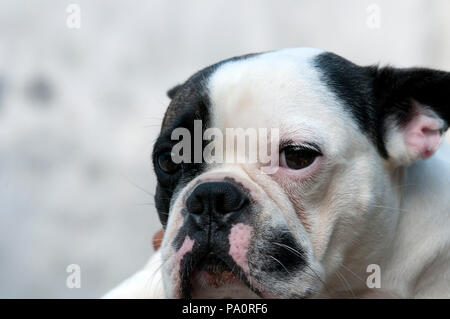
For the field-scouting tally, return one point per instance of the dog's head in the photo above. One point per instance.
(234, 228)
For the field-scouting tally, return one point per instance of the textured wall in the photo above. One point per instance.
(80, 108)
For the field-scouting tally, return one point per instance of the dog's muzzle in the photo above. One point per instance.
(215, 236)
(231, 241)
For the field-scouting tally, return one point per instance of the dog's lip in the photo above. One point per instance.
(212, 264)
(214, 272)
(213, 279)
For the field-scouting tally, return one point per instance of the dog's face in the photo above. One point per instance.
(234, 230)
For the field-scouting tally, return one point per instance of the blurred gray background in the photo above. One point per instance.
(81, 107)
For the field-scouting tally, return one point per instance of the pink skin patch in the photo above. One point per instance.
(239, 241)
(184, 249)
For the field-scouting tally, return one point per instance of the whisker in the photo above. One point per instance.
(280, 264)
(144, 204)
(344, 281)
(353, 273)
(137, 186)
(302, 256)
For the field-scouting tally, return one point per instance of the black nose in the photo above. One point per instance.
(218, 200)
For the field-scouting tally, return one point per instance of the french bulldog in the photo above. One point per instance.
(357, 205)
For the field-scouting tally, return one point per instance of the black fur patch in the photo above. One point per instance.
(284, 255)
(372, 94)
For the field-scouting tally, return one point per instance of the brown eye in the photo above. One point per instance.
(297, 157)
(166, 163)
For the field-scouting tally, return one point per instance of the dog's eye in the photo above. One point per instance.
(166, 163)
(297, 157)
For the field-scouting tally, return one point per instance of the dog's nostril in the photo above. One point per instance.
(194, 205)
(216, 197)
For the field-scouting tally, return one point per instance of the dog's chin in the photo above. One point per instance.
(213, 278)
(225, 285)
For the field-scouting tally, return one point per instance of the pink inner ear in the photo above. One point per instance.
(422, 135)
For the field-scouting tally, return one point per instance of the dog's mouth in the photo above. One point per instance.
(213, 272)
(213, 276)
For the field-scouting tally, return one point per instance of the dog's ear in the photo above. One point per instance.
(171, 93)
(413, 106)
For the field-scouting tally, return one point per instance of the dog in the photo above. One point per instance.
(357, 207)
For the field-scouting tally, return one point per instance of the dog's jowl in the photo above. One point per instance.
(358, 180)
